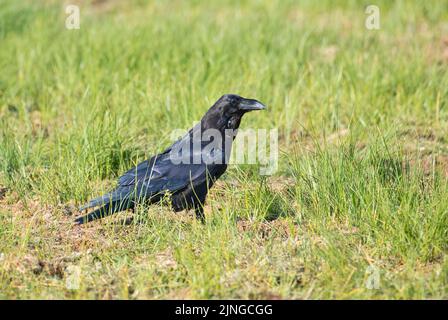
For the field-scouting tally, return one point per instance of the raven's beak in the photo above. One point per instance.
(250, 105)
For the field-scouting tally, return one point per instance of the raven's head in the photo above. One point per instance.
(227, 112)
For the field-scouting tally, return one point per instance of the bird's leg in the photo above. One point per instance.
(133, 207)
(199, 210)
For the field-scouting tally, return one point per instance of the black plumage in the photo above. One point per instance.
(186, 170)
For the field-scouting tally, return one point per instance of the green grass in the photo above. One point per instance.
(363, 167)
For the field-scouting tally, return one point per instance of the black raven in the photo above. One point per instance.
(186, 170)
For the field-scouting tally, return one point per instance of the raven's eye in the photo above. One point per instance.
(233, 101)
(229, 123)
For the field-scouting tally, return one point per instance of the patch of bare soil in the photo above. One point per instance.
(166, 259)
(50, 232)
(280, 183)
(427, 149)
(279, 227)
(437, 51)
(430, 164)
(265, 295)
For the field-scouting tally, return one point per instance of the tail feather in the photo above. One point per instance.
(118, 200)
(102, 212)
(100, 201)
(106, 210)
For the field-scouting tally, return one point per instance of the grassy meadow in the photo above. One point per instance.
(358, 208)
